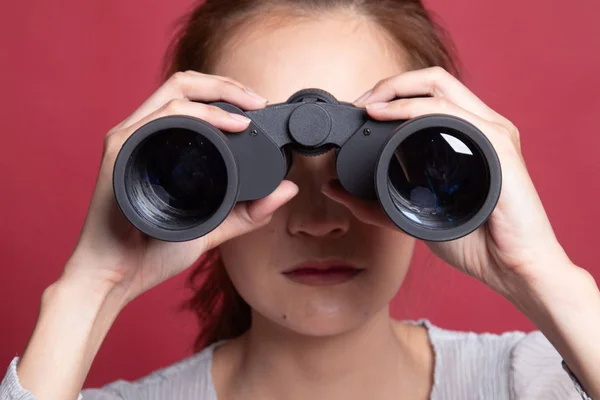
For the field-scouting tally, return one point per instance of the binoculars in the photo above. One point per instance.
(436, 177)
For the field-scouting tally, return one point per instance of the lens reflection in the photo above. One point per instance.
(179, 179)
(438, 178)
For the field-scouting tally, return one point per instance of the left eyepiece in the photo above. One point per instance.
(175, 178)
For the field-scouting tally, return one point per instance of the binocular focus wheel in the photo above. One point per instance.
(312, 95)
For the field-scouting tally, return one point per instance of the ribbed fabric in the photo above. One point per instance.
(468, 366)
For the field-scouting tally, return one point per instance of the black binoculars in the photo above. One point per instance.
(437, 177)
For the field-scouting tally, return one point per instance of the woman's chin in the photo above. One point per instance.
(321, 325)
(319, 312)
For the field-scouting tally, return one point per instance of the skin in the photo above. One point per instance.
(304, 323)
(314, 342)
(311, 225)
(516, 247)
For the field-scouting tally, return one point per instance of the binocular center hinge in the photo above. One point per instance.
(309, 125)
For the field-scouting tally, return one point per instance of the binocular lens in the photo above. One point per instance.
(438, 178)
(177, 179)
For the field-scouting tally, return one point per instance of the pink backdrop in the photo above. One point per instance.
(70, 70)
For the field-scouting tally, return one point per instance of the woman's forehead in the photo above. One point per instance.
(342, 56)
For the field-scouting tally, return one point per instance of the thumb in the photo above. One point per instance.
(255, 212)
(364, 210)
(248, 216)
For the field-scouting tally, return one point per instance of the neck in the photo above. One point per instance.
(376, 360)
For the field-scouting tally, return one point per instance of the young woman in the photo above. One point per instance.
(274, 329)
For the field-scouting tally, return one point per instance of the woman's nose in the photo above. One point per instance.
(312, 214)
(315, 215)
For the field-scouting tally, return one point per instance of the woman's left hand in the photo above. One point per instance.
(515, 252)
(517, 241)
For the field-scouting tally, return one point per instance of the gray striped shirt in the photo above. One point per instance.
(514, 365)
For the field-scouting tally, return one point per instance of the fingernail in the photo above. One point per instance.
(377, 106)
(363, 98)
(253, 94)
(240, 118)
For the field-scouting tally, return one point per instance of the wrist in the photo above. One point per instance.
(545, 270)
(84, 289)
(91, 271)
(94, 294)
(74, 318)
(554, 292)
(564, 305)
(82, 300)
(82, 310)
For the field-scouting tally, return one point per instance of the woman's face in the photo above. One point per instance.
(345, 56)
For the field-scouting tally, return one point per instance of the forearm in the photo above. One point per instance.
(73, 321)
(564, 303)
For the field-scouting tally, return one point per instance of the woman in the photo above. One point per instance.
(280, 329)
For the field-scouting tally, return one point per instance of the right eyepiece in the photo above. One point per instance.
(438, 178)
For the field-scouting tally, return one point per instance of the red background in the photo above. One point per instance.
(70, 70)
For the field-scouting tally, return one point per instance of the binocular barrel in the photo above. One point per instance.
(436, 177)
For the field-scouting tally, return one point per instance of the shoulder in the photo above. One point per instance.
(472, 365)
(186, 379)
(537, 370)
(515, 365)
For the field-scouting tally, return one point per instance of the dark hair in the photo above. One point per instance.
(205, 30)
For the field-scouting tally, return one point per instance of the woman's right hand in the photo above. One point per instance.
(110, 251)
(113, 262)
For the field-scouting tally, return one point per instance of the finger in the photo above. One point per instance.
(435, 82)
(363, 210)
(248, 216)
(246, 88)
(223, 78)
(197, 87)
(231, 80)
(215, 116)
(404, 109)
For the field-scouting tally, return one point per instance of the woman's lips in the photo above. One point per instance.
(322, 274)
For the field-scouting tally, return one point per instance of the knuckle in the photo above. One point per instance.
(437, 75)
(383, 84)
(506, 131)
(181, 79)
(438, 72)
(514, 131)
(178, 78)
(213, 112)
(173, 106)
(507, 138)
(113, 141)
(192, 72)
(113, 131)
(408, 105)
